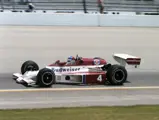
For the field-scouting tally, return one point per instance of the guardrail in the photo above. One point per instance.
(84, 5)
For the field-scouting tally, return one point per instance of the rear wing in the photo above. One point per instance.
(125, 59)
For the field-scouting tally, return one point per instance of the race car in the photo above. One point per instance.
(77, 70)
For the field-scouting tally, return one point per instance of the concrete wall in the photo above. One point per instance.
(48, 19)
(77, 19)
(129, 20)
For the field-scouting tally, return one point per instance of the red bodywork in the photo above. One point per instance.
(93, 78)
(85, 61)
(90, 77)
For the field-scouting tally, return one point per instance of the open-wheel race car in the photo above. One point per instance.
(77, 70)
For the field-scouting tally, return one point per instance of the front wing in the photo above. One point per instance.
(28, 79)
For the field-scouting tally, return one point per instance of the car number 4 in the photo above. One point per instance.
(99, 78)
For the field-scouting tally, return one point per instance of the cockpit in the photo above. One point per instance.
(72, 60)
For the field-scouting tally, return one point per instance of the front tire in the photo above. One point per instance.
(45, 78)
(29, 66)
(116, 75)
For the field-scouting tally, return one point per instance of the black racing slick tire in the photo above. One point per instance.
(45, 78)
(116, 75)
(29, 66)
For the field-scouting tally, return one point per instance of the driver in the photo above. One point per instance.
(70, 60)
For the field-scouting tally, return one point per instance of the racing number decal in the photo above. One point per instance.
(99, 78)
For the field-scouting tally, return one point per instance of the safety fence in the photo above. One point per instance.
(83, 5)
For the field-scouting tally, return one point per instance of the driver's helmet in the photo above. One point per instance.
(70, 60)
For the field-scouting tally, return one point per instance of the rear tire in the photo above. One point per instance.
(45, 78)
(29, 66)
(116, 75)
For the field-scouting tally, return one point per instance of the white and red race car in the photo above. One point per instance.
(81, 71)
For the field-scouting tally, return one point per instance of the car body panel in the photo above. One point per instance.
(77, 74)
(82, 62)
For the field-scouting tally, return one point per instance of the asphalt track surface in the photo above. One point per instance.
(47, 44)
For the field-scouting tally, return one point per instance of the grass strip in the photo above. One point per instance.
(150, 112)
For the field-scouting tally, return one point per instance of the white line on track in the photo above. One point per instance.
(78, 89)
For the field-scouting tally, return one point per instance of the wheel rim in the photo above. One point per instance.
(47, 78)
(119, 75)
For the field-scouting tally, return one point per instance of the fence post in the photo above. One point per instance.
(84, 6)
(13, 5)
(2, 3)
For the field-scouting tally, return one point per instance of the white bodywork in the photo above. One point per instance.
(124, 59)
(76, 73)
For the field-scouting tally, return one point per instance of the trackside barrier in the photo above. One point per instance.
(129, 20)
(61, 19)
(77, 19)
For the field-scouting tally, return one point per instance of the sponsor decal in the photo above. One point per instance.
(96, 61)
(65, 69)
